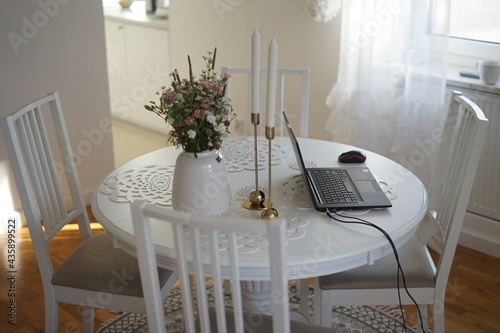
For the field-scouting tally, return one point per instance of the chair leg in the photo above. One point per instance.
(51, 314)
(88, 319)
(192, 285)
(227, 287)
(318, 296)
(322, 308)
(326, 309)
(438, 319)
(303, 292)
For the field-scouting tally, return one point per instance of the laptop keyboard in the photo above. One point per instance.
(330, 186)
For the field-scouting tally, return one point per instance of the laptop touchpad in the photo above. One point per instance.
(365, 186)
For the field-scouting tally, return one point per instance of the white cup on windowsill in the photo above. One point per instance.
(489, 71)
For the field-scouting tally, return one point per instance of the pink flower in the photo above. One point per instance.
(197, 114)
(226, 75)
(168, 97)
(189, 120)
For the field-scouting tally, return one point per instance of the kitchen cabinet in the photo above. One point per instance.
(138, 64)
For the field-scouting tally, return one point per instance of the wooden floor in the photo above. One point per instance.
(472, 300)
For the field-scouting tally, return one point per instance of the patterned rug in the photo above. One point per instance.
(348, 319)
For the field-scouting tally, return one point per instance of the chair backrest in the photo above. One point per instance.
(461, 144)
(38, 175)
(301, 108)
(208, 246)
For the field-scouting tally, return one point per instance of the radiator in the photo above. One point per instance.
(485, 196)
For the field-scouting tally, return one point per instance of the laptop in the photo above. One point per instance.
(339, 188)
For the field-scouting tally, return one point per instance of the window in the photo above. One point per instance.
(475, 20)
(474, 30)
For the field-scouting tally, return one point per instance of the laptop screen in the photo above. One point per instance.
(295, 145)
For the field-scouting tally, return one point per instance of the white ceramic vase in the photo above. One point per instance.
(201, 184)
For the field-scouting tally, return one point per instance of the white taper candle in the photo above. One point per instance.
(256, 72)
(271, 82)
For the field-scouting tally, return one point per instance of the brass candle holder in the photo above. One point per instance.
(269, 211)
(256, 197)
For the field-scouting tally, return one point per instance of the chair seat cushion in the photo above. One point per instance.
(98, 266)
(414, 260)
(260, 323)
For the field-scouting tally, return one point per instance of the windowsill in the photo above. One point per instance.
(454, 79)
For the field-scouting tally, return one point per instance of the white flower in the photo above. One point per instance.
(212, 120)
(221, 128)
(191, 134)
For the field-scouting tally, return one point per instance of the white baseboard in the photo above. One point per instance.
(87, 195)
(481, 234)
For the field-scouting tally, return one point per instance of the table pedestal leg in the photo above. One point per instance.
(256, 298)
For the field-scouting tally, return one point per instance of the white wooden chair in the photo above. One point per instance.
(376, 284)
(96, 274)
(199, 250)
(301, 109)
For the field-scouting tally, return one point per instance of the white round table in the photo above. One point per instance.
(316, 244)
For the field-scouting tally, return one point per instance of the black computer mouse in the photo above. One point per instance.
(352, 156)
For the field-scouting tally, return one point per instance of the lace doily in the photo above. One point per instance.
(388, 189)
(294, 193)
(308, 164)
(245, 191)
(250, 242)
(152, 183)
(239, 154)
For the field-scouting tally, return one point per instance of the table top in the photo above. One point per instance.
(316, 245)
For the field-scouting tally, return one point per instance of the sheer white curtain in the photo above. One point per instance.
(389, 96)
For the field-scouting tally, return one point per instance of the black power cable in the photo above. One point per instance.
(399, 270)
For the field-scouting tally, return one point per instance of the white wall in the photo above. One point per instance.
(56, 45)
(198, 26)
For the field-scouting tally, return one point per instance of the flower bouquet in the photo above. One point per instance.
(197, 109)
(200, 114)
